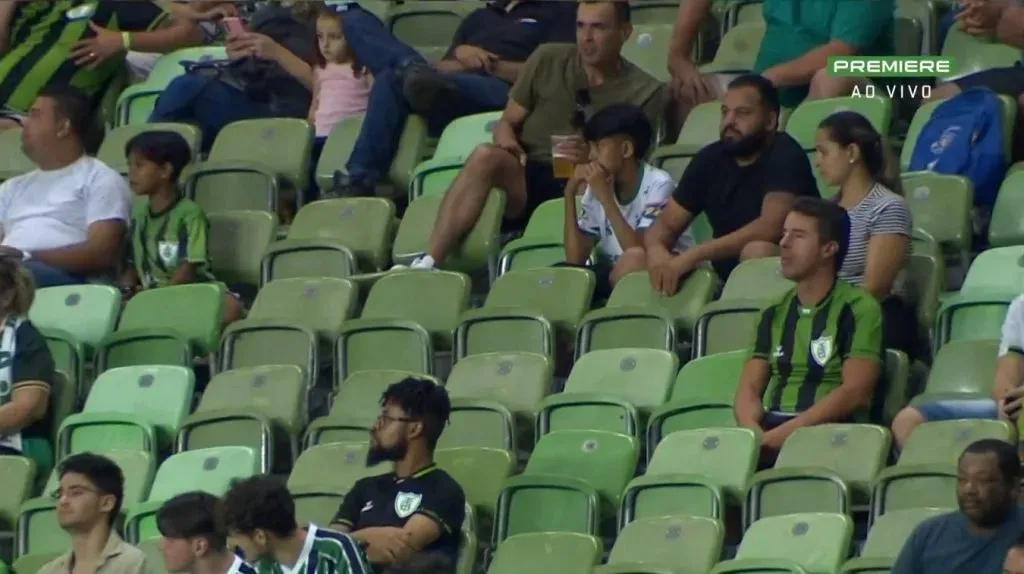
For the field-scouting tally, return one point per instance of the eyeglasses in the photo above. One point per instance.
(72, 492)
(582, 100)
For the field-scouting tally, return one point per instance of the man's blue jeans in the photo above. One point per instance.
(47, 276)
(385, 56)
(209, 103)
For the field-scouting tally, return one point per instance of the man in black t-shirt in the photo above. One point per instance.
(418, 507)
(744, 183)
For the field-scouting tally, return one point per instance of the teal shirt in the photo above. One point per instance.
(794, 27)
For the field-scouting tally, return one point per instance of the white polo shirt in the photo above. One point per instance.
(52, 209)
(1012, 340)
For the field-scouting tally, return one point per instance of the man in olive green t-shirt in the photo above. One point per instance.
(800, 36)
(559, 88)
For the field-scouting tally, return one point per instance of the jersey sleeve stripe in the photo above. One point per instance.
(433, 516)
(353, 554)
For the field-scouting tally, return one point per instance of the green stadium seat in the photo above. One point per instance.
(923, 114)
(263, 408)
(648, 48)
(39, 531)
(702, 127)
(997, 269)
(822, 468)
(610, 390)
(459, 139)
(237, 242)
(693, 473)
(546, 553)
(323, 304)
(914, 29)
(962, 369)
(757, 278)
(973, 54)
(165, 326)
(130, 408)
(335, 467)
(738, 49)
(688, 414)
(815, 543)
(519, 381)
(1007, 224)
(476, 252)
(13, 161)
(637, 316)
(253, 164)
(389, 332)
(362, 224)
(941, 205)
(356, 407)
(469, 545)
(32, 563)
(111, 151)
(972, 315)
(679, 544)
(647, 12)
(210, 470)
(886, 538)
(897, 379)
(714, 377)
(481, 472)
(18, 478)
(924, 282)
(135, 103)
(292, 258)
(525, 311)
(338, 148)
(803, 122)
(479, 424)
(428, 26)
(573, 482)
(257, 342)
(541, 243)
(728, 325)
(925, 476)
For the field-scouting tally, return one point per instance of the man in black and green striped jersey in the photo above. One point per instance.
(77, 42)
(818, 351)
(259, 516)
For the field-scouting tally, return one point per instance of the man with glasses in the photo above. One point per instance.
(417, 508)
(88, 502)
(558, 89)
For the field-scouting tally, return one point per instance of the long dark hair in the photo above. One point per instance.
(850, 128)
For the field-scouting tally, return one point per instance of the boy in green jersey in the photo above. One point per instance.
(259, 516)
(169, 232)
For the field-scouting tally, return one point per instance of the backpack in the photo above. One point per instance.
(964, 137)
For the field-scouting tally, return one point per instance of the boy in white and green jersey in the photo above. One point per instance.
(259, 515)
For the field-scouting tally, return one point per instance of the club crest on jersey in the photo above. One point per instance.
(168, 251)
(821, 350)
(407, 503)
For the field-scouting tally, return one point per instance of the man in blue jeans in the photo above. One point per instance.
(484, 59)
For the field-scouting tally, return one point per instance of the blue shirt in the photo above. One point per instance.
(945, 545)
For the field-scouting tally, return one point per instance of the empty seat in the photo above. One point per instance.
(293, 258)
(962, 369)
(481, 472)
(683, 544)
(648, 48)
(972, 315)
(363, 224)
(476, 423)
(76, 316)
(612, 390)
(17, 478)
(813, 543)
(546, 553)
(941, 206)
(237, 242)
(1006, 227)
(519, 381)
(738, 49)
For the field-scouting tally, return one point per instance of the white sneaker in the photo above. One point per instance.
(398, 267)
(422, 262)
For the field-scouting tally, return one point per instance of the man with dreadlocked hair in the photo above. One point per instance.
(418, 508)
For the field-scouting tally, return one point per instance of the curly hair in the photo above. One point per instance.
(259, 503)
(424, 401)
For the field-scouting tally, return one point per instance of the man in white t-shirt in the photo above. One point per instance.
(1007, 389)
(66, 220)
(622, 196)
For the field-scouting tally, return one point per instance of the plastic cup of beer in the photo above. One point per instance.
(563, 164)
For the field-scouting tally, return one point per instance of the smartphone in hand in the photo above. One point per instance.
(234, 26)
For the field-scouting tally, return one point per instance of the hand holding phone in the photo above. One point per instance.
(233, 25)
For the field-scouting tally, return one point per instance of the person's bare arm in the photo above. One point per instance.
(1009, 375)
(767, 227)
(28, 405)
(662, 235)
(689, 19)
(101, 250)
(886, 256)
(506, 133)
(748, 406)
(577, 243)
(860, 376)
(799, 72)
(508, 71)
(1010, 29)
(314, 102)
(7, 10)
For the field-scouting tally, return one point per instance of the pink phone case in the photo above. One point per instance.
(234, 26)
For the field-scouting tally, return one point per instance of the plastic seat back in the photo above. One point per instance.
(520, 381)
(112, 149)
(336, 466)
(87, 312)
(13, 161)
(238, 240)
(686, 544)
(816, 542)
(648, 49)
(757, 279)
(321, 303)
(363, 224)
(400, 296)
(546, 553)
(804, 121)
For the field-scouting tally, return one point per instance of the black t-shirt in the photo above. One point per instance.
(514, 34)
(731, 196)
(388, 500)
(32, 367)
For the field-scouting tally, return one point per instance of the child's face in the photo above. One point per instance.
(611, 153)
(332, 42)
(145, 176)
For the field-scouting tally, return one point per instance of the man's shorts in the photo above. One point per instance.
(1004, 81)
(958, 409)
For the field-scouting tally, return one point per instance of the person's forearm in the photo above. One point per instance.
(576, 242)
(627, 236)
(728, 246)
(6, 19)
(180, 34)
(14, 416)
(799, 72)
(748, 407)
(837, 406)
(507, 71)
(449, 66)
(1010, 29)
(504, 130)
(80, 258)
(295, 66)
(689, 19)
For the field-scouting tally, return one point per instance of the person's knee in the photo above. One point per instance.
(905, 422)
(824, 86)
(485, 159)
(632, 260)
(759, 250)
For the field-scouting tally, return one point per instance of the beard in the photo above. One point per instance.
(745, 146)
(378, 454)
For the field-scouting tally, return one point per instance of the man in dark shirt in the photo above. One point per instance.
(418, 507)
(482, 63)
(989, 522)
(745, 184)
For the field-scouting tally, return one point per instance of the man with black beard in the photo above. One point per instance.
(977, 538)
(744, 183)
(418, 508)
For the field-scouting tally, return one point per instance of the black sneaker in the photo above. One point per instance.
(345, 186)
(424, 87)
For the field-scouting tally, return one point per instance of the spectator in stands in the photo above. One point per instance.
(819, 348)
(270, 75)
(799, 39)
(259, 516)
(1014, 563)
(170, 234)
(854, 157)
(1007, 389)
(745, 184)
(418, 507)
(192, 540)
(27, 378)
(622, 198)
(52, 43)
(66, 220)
(202, 13)
(559, 87)
(88, 503)
(429, 563)
(978, 536)
(484, 60)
